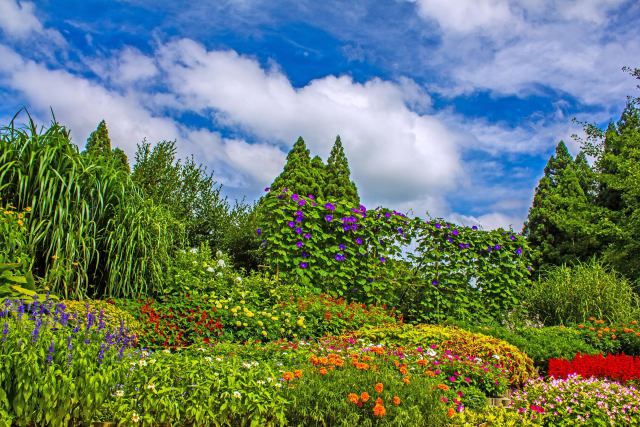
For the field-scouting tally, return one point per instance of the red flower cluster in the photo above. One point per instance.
(618, 367)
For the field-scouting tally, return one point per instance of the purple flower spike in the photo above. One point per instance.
(50, 353)
(5, 331)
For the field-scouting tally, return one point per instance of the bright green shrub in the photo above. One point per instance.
(594, 290)
(459, 341)
(493, 416)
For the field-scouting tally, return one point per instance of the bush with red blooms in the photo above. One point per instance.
(618, 367)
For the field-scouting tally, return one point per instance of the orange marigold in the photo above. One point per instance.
(430, 373)
(634, 322)
(379, 401)
(443, 387)
(406, 380)
(451, 412)
(396, 400)
(353, 398)
(403, 369)
(422, 362)
(287, 376)
(297, 373)
(323, 371)
(379, 411)
(378, 388)
(364, 396)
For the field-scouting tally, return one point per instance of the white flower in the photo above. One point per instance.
(239, 279)
(495, 356)
(279, 385)
(477, 360)
(237, 394)
(135, 417)
(219, 359)
(221, 263)
(142, 362)
(218, 254)
(211, 269)
(166, 350)
(194, 250)
(261, 382)
(208, 359)
(119, 393)
(151, 386)
(431, 352)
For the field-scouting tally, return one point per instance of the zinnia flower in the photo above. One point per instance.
(379, 411)
(396, 400)
(378, 388)
(353, 398)
(364, 396)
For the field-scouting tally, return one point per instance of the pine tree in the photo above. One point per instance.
(297, 174)
(560, 225)
(99, 145)
(587, 177)
(338, 176)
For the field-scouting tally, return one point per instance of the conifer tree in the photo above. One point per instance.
(297, 174)
(99, 145)
(338, 176)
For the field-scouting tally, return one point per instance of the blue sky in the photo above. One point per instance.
(450, 107)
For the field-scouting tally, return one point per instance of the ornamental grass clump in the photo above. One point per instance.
(54, 373)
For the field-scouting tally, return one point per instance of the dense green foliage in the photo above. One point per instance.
(99, 147)
(338, 185)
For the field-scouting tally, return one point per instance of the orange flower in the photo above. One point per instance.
(581, 326)
(403, 369)
(430, 373)
(443, 387)
(396, 363)
(451, 412)
(353, 398)
(298, 373)
(378, 388)
(396, 400)
(364, 396)
(634, 322)
(287, 376)
(592, 318)
(379, 411)
(379, 401)
(323, 371)
(406, 380)
(422, 362)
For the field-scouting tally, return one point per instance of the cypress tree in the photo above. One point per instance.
(297, 174)
(99, 146)
(338, 176)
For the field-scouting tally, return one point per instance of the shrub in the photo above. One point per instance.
(459, 341)
(595, 291)
(577, 401)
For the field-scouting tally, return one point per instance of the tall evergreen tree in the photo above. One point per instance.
(338, 176)
(586, 176)
(559, 226)
(99, 145)
(298, 173)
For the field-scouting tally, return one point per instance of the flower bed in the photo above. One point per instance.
(619, 367)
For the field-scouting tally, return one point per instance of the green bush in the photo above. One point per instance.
(571, 294)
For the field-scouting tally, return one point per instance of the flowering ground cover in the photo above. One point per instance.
(619, 367)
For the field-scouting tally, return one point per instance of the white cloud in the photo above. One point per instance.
(18, 19)
(127, 67)
(466, 15)
(395, 153)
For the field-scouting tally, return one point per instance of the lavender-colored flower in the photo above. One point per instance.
(21, 309)
(259, 231)
(358, 241)
(341, 246)
(298, 230)
(339, 257)
(101, 354)
(330, 207)
(101, 320)
(328, 218)
(50, 353)
(304, 265)
(299, 244)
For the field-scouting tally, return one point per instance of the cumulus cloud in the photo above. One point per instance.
(466, 15)
(18, 21)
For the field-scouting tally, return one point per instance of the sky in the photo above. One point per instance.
(445, 108)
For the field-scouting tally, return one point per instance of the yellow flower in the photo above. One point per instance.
(264, 333)
(238, 323)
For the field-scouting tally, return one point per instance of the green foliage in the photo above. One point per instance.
(338, 185)
(594, 290)
(99, 147)
(563, 225)
(91, 231)
(299, 174)
(186, 190)
(465, 273)
(333, 248)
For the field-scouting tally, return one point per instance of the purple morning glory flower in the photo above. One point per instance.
(358, 241)
(387, 215)
(298, 230)
(382, 259)
(305, 255)
(455, 232)
(301, 202)
(489, 248)
(298, 219)
(311, 196)
(339, 257)
(295, 197)
(461, 245)
(529, 268)
(299, 244)
(438, 225)
(341, 246)
(400, 230)
(330, 207)
(449, 239)
(497, 247)
(280, 197)
(434, 282)
(267, 189)
(346, 228)
(328, 218)
(259, 231)
(475, 227)
(304, 265)
(307, 236)
(519, 251)
(291, 224)
(512, 237)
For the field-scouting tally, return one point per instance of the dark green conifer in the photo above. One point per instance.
(339, 185)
